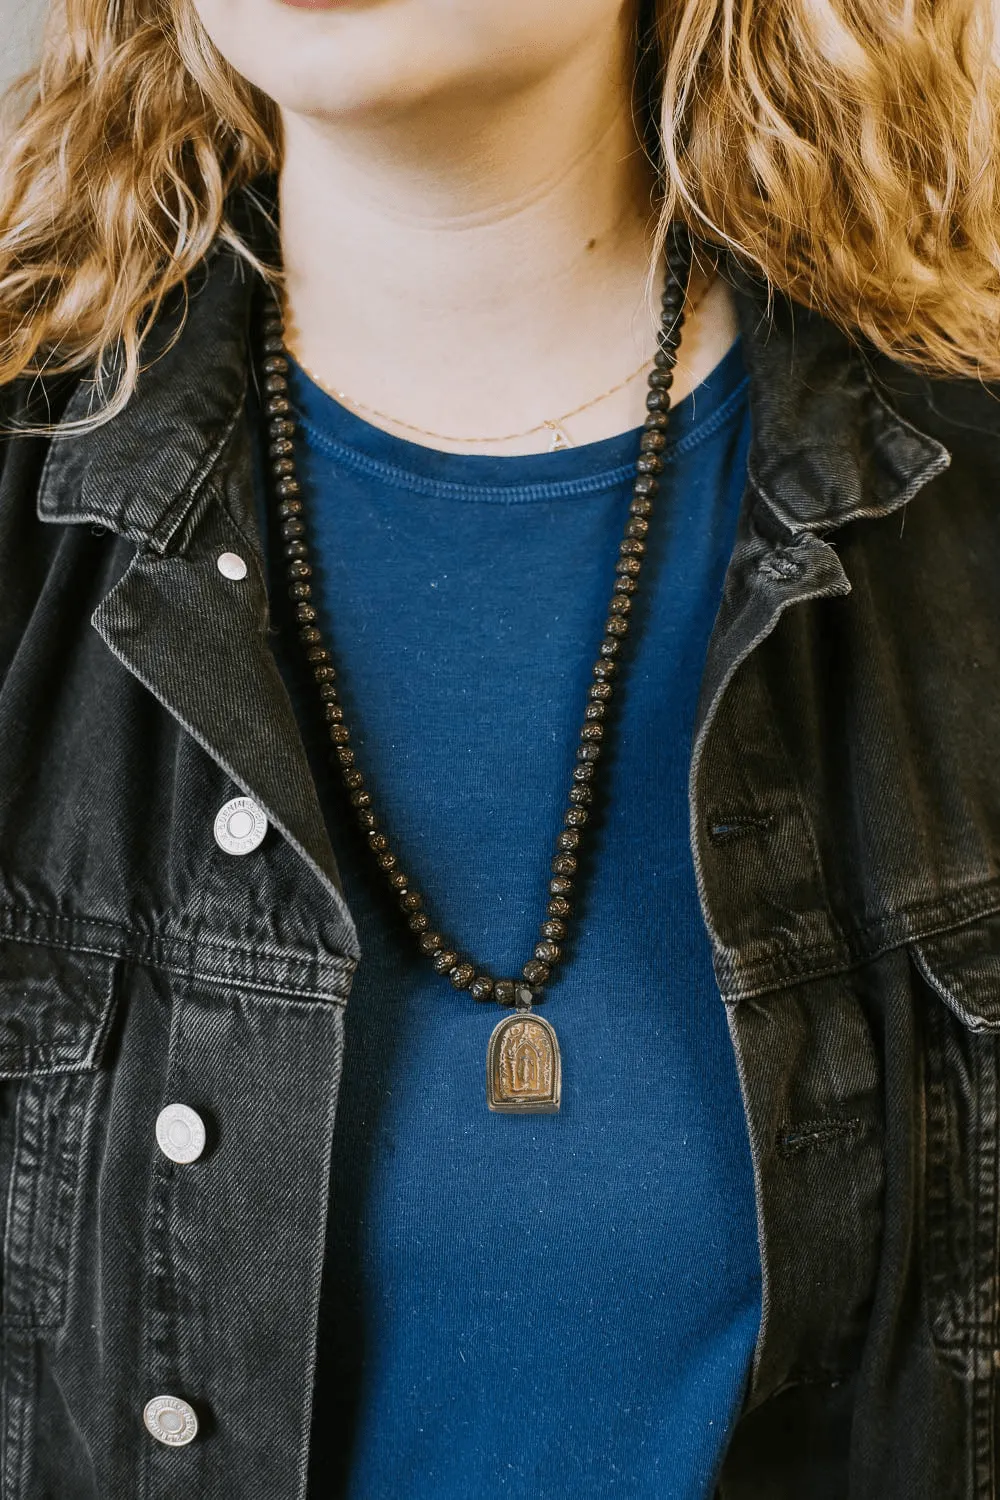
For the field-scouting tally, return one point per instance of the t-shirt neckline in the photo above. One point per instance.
(331, 429)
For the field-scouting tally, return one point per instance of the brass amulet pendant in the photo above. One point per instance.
(523, 1065)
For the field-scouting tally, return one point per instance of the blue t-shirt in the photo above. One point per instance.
(546, 1306)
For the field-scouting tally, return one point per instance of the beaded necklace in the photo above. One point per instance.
(523, 1061)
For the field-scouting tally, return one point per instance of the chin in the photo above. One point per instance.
(355, 58)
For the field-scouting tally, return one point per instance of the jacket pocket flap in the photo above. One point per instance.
(962, 966)
(55, 1004)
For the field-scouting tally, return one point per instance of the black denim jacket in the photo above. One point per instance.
(845, 828)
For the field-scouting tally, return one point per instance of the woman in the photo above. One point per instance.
(354, 357)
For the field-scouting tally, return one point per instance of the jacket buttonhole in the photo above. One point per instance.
(727, 830)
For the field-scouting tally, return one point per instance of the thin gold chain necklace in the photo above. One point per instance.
(560, 437)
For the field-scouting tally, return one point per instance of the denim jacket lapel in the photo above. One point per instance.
(172, 474)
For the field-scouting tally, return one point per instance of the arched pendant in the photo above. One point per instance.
(523, 1066)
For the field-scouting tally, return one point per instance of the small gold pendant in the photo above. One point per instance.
(560, 439)
(523, 1066)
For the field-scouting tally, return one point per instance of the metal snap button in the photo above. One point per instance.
(239, 825)
(170, 1420)
(231, 565)
(180, 1132)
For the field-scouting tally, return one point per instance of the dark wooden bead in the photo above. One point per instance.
(292, 527)
(430, 942)
(535, 972)
(353, 778)
(649, 463)
(626, 584)
(289, 508)
(620, 604)
(652, 442)
(308, 635)
(276, 385)
(323, 672)
(564, 864)
(339, 733)
(399, 882)
(580, 795)
(661, 380)
(344, 754)
(462, 975)
(317, 656)
(361, 798)
(275, 364)
(569, 839)
(282, 466)
(387, 861)
(295, 548)
(377, 841)
(278, 447)
(631, 547)
(419, 922)
(630, 565)
(553, 929)
(575, 817)
(481, 987)
(601, 691)
(588, 752)
(305, 612)
(638, 526)
(591, 731)
(272, 343)
(640, 505)
(300, 590)
(444, 959)
(560, 885)
(288, 488)
(595, 711)
(333, 713)
(411, 901)
(657, 401)
(656, 421)
(645, 484)
(617, 625)
(281, 427)
(327, 692)
(366, 818)
(584, 771)
(300, 569)
(610, 646)
(605, 669)
(503, 991)
(558, 906)
(549, 953)
(277, 406)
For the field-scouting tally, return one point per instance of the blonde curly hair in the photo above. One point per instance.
(845, 148)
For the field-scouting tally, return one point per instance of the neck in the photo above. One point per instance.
(475, 269)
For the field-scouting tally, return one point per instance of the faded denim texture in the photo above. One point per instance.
(845, 825)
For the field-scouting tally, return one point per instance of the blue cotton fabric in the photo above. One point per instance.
(538, 1307)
